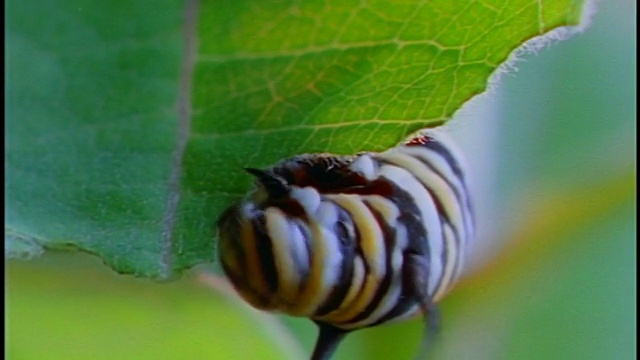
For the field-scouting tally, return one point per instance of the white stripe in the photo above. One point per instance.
(451, 263)
(327, 216)
(299, 246)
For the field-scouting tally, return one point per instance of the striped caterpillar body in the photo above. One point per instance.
(352, 241)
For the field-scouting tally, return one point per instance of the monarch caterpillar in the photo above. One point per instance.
(352, 241)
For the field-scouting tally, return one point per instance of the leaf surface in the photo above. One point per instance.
(100, 158)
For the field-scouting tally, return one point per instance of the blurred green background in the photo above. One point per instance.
(553, 274)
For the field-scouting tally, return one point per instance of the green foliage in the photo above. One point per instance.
(91, 126)
(564, 286)
(92, 89)
(92, 314)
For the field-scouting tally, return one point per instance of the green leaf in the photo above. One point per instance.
(100, 159)
(275, 79)
(91, 125)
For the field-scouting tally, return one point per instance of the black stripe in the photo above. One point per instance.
(444, 219)
(410, 214)
(461, 197)
(359, 254)
(465, 207)
(389, 234)
(240, 282)
(417, 235)
(229, 227)
(407, 297)
(451, 160)
(455, 167)
(265, 253)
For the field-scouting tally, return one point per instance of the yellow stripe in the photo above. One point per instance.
(279, 232)
(372, 246)
(390, 213)
(385, 207)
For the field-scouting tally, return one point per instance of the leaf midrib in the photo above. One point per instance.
(184, 125)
